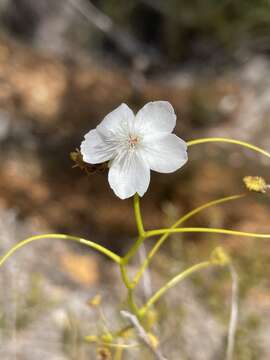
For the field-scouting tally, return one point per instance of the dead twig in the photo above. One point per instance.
(234, 314)
(142, 334)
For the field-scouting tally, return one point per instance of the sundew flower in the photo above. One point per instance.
(255, 183)
(134, 145)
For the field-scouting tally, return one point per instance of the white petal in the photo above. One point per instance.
(95, 150)
(156, 116)
(128, 175)
(116, 122)
(165, 153)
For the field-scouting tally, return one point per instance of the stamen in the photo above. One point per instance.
(133, 140)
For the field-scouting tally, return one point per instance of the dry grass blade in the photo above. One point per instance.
(142, 334)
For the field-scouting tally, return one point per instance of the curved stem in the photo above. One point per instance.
(231, 141)
(205, 206)
(175, 280)
(176, 224)
(204, 230)
(89, 243)
(138, 215)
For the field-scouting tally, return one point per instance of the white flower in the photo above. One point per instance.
(135, 144)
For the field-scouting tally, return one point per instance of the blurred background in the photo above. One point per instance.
(63, 66)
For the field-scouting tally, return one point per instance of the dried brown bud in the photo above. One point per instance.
(76, 156)
(104, 353)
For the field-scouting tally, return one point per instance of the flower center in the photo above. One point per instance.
(133, 140)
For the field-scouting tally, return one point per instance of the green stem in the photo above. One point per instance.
(175, 280)
(231, 141)
(125, 276)
(132, 304)
(204, 230)
(133, 250)
(89, 243)
(138, 215)
(176, 224)
(129, 287)
(205, 206)
(131, 253)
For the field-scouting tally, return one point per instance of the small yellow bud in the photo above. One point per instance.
(107, 338)
(219, 257)
(153, 340)
(255, 183)
(91, 338)
(95, 301)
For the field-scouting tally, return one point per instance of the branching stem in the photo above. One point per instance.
(179, 222)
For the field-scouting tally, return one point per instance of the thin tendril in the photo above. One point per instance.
(89, 243)
(230, 141)
(174, 281)
(204, 230)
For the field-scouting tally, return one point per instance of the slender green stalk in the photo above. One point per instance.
(130, 298)
(89, 243)
(231, 141)
(179, 222)
(138, 216)
(204, 230)
(125, 276)
(133, 250)
(205, 206)
(131, 303)
(175, 280)
(131, 253)
(118, 355)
